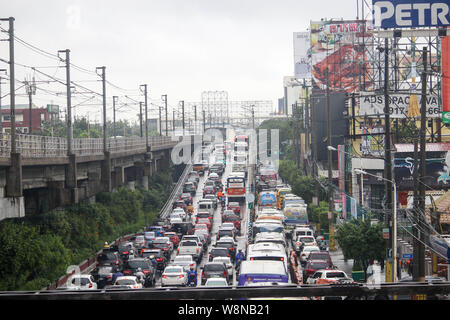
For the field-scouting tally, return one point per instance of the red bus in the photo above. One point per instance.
(236, 189)
(241, 138)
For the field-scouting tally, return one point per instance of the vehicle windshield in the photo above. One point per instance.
(335, 275)
(318, 265)
(188, 244)
(213, 267)
(104, 270)
(172, 270)
(138, 264)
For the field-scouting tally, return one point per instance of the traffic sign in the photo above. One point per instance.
(386, 233)
(407, 256)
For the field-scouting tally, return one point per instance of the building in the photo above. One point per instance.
(38, 116)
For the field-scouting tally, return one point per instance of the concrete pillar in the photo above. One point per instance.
(131, 185)
(119, 176)
(11, 207)
(143, 181)
(106, 173)
(14, 186)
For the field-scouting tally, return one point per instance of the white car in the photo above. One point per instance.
(175, 220)
(185, 261)
(81, 282)
(306, 251)
(326, 276)
(213, 176)
(130, 282)
(180, 211)
(216, 282)
(174, 276)
(305, 241)
(227, 262)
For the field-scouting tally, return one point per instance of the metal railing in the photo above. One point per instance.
(33, 146)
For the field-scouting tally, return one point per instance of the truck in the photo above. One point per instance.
(191, 247)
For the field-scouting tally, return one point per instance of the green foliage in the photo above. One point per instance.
(36, 250)
(361, 241)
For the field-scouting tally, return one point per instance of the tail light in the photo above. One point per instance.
(136, 287)
(126, 272)
(228, 255)
(282, 259)
(164, 276)
(146, 271)
(197, 250)
(203, 274)
(90, 285)
(178, 250)
(108, 277)
(125, 252)
(166, 249)
(232, 249)
(225, 273)
(252, 259)
(181, 276)
(159, 259)
(310, 270)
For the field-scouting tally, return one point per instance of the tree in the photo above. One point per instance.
(361, 241)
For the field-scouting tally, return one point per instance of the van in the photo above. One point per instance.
(267, 251)
(272, 237)
(206, 205)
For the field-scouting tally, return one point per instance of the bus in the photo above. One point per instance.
(259, 271)
(241, 138)
(235, 189)
(267, 199)
(280, 195)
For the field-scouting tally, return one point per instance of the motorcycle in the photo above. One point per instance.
(191, 280)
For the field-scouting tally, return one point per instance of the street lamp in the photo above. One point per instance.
(394, 228)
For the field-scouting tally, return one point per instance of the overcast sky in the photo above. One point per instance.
(178, 47)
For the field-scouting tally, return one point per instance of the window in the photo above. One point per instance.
(6, 117)
(317, 275)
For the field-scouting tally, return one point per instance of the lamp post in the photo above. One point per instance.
(394, 228)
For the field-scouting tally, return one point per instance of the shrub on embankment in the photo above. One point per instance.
(36, 250)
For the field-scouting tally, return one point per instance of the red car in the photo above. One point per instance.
(173, 238)
(179, 204)
(200, 226)
(235, 207)
(233, 218)
(312, 266)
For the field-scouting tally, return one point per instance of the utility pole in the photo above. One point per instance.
(306, 121)
(1, 128)
(173, 121)
(314, 138)
(182, 112)
(140, 119)
(114, 115)
(204, 121)
(160, 128)
(388, 153)
(146, 116)
(164, 98)
(253, 117)
(330, 171)
(69, 103)
(105, 131)
(31, 90)
(419, 261)
(195, 119)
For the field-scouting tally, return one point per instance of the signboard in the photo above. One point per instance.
(302, 64)
(395, 14)
(373, 105)
(386, 233)
(342, 48)
(52, 108)
(407, 256)
(445, 51)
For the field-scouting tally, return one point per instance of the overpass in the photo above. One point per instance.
(41, 175)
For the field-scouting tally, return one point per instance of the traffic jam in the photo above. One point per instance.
(233, 224)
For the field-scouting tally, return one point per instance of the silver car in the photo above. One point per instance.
(174, 276)
(185, 261)
(227, 262)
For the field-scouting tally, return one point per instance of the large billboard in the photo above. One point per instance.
(341, 47)
(302, 64)
(372, 105)
(395, 14)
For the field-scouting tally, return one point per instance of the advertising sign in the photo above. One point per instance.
(395, 14)
(342, 48)
(445, 51)
(302, 63)
(372, 105)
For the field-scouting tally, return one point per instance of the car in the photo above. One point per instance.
(180, 211)
(149, 236)
(205, 233)
(214, 270)
(329, 276)
(186, 261)
(189, 187)
(203, 214)
(218, 252)
(226, 232)
(164, 239)
(202, 235)
(236, 220)
(175, 220)
(103, 276)
(320, 255)
(158, 255)
(130, 282)
(108, 258)
(227, 212)
(213, 176)
(201, 226)
(227, 262)
(205, 165)
(166, 248)
(179, 204)
(311, 267)
(173, 238)
(193, 180)
(173, 276)
(194, 174)
(206, 221)
(211, 198)
(305, 253)
(139, 242)
(228, 242)
(209, 190)
(228, 225)
(235, 206)
(199, 168)
(131, 267)
(216, 282)
(81, 282)
(187, 198)
(158, 229)
(126, 251)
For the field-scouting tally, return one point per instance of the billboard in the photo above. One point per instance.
(372, 105)
(302, 65)
(342, 48)
(395, 14)
(445, 51)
